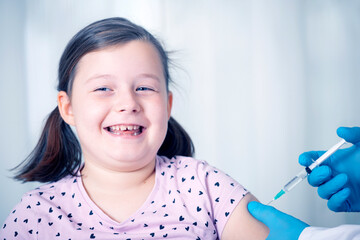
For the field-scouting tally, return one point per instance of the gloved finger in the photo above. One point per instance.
(332, 186)
(281, 225)
(338, 203)
(319, 175)
(263, 213)
(351, 135)
(307, 158)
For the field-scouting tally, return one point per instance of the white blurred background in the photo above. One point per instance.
(259, 83)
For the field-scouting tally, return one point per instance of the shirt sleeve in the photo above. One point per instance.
(21, 222)
(342, 232)
(224, 192)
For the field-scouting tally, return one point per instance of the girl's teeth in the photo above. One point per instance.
(124, 128)
(132, 130)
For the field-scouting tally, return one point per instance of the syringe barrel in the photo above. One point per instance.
(296, 180)
(327, 154)
(304, 173)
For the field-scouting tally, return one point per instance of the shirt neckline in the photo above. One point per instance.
(107, 219)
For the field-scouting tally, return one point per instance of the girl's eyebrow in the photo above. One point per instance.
(109, 76)
(96, 76)
(148, 75)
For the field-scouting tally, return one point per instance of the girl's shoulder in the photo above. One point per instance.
(189, 170)
(189, 165)
(28, 214)
(50, 192)
(53, 189)
(200, 187)
(35, 199)
(181, 162)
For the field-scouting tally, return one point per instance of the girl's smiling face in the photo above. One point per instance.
(119, 105)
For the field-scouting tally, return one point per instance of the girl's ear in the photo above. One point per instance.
(65, 109)
(170, 101)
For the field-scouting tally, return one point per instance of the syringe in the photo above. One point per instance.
(304, 173)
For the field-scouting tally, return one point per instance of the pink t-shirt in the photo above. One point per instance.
(190, 200)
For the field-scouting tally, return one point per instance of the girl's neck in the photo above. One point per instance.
(118, 194)
(99, 178)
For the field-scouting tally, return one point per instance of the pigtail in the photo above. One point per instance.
(177, 141)
(56, 155)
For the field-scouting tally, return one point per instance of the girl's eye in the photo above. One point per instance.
(144, 89)
(102, 89)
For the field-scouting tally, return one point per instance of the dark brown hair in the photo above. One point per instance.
(58, 152)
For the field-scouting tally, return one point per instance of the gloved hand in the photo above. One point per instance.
(281, 225)
(338, 178)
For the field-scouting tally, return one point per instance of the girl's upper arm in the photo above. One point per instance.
(242, 225)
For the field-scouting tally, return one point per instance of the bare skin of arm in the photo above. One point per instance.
(242, 225)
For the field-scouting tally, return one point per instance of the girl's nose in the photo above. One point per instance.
(127, 102)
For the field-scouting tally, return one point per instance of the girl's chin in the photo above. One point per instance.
(128, 165)
(132, 158)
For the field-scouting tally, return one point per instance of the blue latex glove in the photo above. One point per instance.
(338, 178)
(281, 225)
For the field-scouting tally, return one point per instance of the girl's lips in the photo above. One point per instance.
(125, 129)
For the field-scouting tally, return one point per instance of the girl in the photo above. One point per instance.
(138, 180)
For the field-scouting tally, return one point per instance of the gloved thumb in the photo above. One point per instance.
(281, 225)
(263, 213)
(349, 134)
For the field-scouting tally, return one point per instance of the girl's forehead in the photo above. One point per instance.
(131, 57)
(136, 49)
